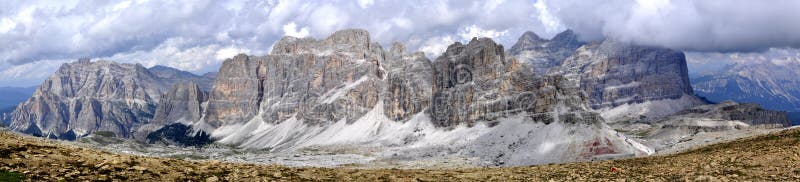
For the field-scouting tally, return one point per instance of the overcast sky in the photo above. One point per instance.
(196, 35)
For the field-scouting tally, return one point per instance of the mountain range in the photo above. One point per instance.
(542, 101)
(772, 84)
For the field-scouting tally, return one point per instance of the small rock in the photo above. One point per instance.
(214, 162)
(212, 179)
(705, 178)
(139, 168)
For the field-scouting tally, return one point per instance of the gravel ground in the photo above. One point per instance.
(771, 157)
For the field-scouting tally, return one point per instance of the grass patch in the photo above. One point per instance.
(105, 134)
(11, 176)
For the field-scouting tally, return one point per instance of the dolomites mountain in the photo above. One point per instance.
(773, 84)
(477, 82)
(319, 82)
(648, 81)
(346, 93)
(540, 54)
(343, 92)
(408, 84)
(615, 73)
(89, 96)
(626, 83)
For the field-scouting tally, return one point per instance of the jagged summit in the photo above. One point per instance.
(349, 40)
(528, 40)
(566, 39)
(541, 55)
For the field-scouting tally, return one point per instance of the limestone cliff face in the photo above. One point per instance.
(234, 96)
(181, 104)
(317, 81)
(476, 82)
(85, 97)
(408, 85)
(614, 73)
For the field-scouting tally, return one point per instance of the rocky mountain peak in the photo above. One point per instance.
(527, 41)
(398, 50)
(84, 60)
(289, 45)
(615, 74)
(483, 44)
(530, 37)
(542, 55)
(316, 81)
(352, 37)
(349, 40)
(88, 96)
(566, 40)
(566, 35)
(775, 85)
(474, 82)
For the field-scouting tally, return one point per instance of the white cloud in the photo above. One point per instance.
(365, 3)
(474, 31)
(229, 52)
(733, 25)
(551, 24)
(290, 29)
(30, 74)
(436, 46)
(175, 53)
(6, 25)
(121, 6)
(702, 62)
(327, 18)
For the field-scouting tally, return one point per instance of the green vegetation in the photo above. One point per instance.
(105, 133)
(11, 176)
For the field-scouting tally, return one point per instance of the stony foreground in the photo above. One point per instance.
(773, 157)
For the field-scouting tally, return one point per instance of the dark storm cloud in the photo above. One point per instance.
(706, 25)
